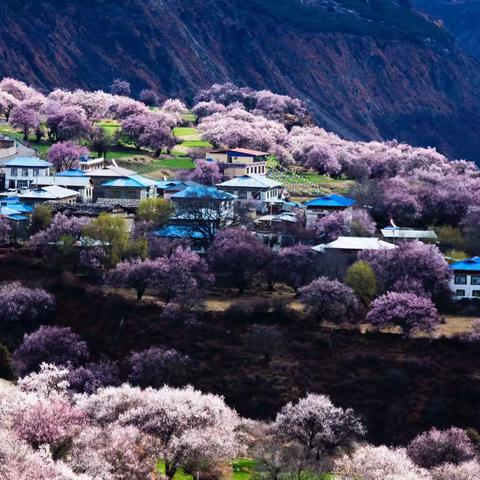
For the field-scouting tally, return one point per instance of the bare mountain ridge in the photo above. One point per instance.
(369, 69)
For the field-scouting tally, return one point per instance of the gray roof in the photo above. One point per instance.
(52, 192)
(31, 162)
(111, 171)
(355, 243)
(250, 181)
(402, 233)
(45, 180)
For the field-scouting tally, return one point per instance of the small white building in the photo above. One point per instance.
(50, 193)
(354, 245)
(21, 172)
(465, 281)
(237, 162)
(81, 184)
(255, 189)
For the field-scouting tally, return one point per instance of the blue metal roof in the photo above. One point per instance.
(471, 264)
(73, 172)
(203, 192)
(331, 201)
(17, 217)
(174, 184)
(31, 162)
(134, 181)
(178, 231)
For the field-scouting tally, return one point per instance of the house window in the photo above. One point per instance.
(24, 172)
(460, 279)
(22, 184)
(475, 280)
(242, 195)
(36, 172)
(13, 172)
(459, 293)
(476, 293)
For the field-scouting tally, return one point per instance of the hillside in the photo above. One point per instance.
(369, 70)
(460, 17)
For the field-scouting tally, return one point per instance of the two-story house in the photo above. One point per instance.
(237, 162)
(322, 206)
(257, 190)
(133, 187)
(465, 281)
(80, 183)
(21, 172)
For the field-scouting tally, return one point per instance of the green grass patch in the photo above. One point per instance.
(189, 117)
(180, 475)
(181, 132)
(243, 469)
(196, 144)
(176, 163)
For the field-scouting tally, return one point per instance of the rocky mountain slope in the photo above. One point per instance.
(369, 69)
(460, 17)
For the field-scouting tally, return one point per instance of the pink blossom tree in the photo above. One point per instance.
(181, 277)
(53, 422)
(464, 471)
(56, 345)
(66, 155)
(156, 366)
(378, 463)
(149, 130)
(206, 173)
(317, 426)
(7, 104)
(408, 311)
(136, 274)
(174, 105)
(67, 123)
(239, 128)
(185, 426)
(436, 447)
(113, 452)
(329, 299)
(120, 87)
(357, 223)
(22, 304)
(25, 118)
(205, 109)
(414, 261)
(236, 256)
(295, 266)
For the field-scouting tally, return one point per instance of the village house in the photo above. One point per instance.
(80, 183)
(335, 257)
(21, 172)
(354, 245)
(103, 175)
(12, 208)
(321, 206)
(195, 199)
(133, 187)
(256, 190)
(237, 162)
(408, 234)
(167, 188)
(53, 193)
(277, 230)
(465, 281)
(200, 211)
